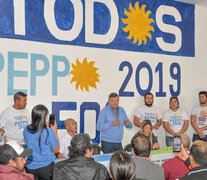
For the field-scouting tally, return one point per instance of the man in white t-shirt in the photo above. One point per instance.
(15, 118)
(71, 126)
(148, 112)
(199, 118)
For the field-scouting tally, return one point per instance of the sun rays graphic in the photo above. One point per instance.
(84, 74)
(138, 23)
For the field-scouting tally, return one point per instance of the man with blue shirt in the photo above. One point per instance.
(110, 122)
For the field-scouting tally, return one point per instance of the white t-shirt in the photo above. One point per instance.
(175, 120)
(64, 144)
(14, 122)
(201, 116)
(150, 113)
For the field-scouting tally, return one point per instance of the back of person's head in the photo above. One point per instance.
(79, 145)
(39, 115)
(141, 145)
(198, 151)
(122, 166)
(185, 141)
(128, 148)
(18, 95)
(96, 149)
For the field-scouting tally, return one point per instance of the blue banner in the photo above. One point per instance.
(163, 27)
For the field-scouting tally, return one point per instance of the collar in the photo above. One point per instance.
(112, 108)
(197, 170)
(146, 158)
(8, 169)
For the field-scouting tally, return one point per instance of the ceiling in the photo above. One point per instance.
(197, 2)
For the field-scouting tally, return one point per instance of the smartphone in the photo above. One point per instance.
(177, 141)
(51, 120)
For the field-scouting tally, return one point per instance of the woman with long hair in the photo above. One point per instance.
(175, 121)
(146, 129)
(122, 166)
(44, 143)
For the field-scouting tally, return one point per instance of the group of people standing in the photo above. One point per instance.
(148, 120)
(34, 129)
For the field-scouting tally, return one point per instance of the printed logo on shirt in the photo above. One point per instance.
(176, 120)
(203, 113)
(21, 121)
(151, 116)
(202, 121)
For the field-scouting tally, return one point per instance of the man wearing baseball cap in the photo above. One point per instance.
(12, 162)
(80, 165)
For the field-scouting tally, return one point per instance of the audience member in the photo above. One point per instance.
(80, 165)
(96, 149)
(146, 129)
(110, 122)
(145, 169)
(199, 118)
(122, 166)
(197, 159)
(12, 162)
(150, 112)
(44, 143)
(175, 167)
(175, 121)
(71, 126)
(15, 118)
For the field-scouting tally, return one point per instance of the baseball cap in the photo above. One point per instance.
(12, 150)
(81, 141)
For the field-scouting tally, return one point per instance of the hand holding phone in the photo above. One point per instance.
(51, 120)
(177, 141)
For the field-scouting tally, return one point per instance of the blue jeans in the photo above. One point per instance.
(110, 147)
(169, 141)
(197, 137)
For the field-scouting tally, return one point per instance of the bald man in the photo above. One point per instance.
(71, 126)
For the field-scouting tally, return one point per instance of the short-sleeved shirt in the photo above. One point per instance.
(201, 116)
(64, 144)
(44, 156)
(14, 122)
(175, 120)
(150, 113)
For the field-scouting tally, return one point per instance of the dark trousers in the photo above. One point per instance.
(110, 147)
(197, 137)
(44, 173)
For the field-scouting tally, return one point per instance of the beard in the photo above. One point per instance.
(148, 104)
(203, 102)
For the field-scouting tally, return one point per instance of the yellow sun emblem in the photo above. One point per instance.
(138, 23)
(84, 74)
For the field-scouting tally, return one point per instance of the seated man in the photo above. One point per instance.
(71, 126)
(146, 169)
(175, 167)
(80, 165)
(12, 161)
(197, 159)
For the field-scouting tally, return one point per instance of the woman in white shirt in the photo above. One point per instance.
(175, 121)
